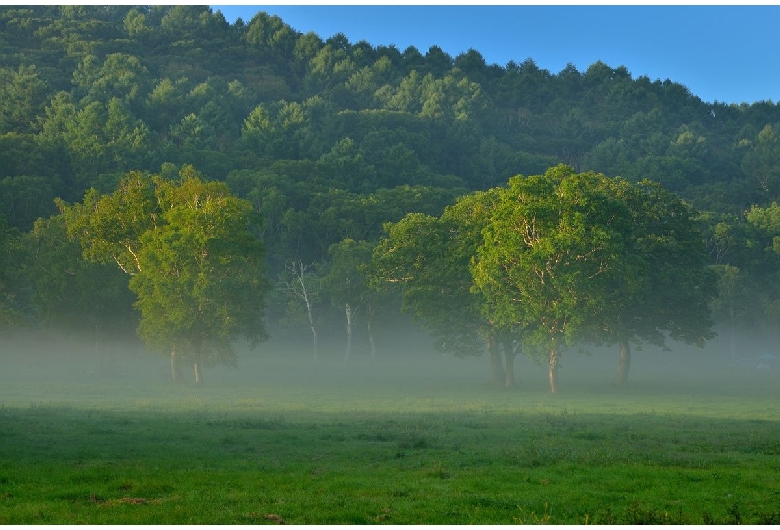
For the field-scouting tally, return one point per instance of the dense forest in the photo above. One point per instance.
(329, 141)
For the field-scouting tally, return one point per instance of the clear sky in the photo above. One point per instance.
(721, 53)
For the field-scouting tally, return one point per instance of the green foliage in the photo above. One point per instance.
(346, 277)
(668, 288)
(552, 252)
(762, 162)
(109, 227)
(428, 259)
(409, 257)
(552, 260)
(10, 253)
(21, 98)
(183, 78)
(25, 198)
(119, 76)
(194, 260)
(566, 258)
(71, 293)
(347, 284)
(200, 281)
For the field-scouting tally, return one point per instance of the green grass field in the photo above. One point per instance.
(399, 443)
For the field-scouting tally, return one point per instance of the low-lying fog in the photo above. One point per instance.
(48, 358)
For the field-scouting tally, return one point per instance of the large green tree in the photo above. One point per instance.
(196, 265)
(552, 256)
(573, 257)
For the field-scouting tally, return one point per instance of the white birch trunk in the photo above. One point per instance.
(348, 315)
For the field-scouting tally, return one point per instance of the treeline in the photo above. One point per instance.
(328, 140)
(91, 92)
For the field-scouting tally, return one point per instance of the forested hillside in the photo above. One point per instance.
(329, 139)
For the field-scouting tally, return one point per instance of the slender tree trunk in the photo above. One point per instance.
(552, 371)
(509, 362)
(309, 313)
(298, 270)
(174, 374)
(348, 316)
(494, 356)
(624, 363)
(196, 363)
(314, 334)
(510, 369)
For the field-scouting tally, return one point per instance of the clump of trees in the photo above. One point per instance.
(552, 260)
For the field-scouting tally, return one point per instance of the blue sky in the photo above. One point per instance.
(724, 53)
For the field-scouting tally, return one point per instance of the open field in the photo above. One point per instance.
(426, 441)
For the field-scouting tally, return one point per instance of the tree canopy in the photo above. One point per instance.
(551, 260)
(196, 264)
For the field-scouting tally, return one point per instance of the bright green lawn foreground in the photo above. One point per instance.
(308, 449)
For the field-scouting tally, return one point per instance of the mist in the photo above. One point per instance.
(98, 432)
(405, 359)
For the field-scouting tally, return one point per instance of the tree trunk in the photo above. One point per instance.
(299, 270)
(314, 334)
(311, 322)
(552, 371)
(196, 366)
(510, 369)
(624, 363)
(174, 374)
(348, 315)
(509, 362)
(196, 363)
(494, 356)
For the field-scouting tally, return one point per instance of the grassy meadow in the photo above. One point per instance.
(104, 438)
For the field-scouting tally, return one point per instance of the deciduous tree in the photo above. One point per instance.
(195, 264)
(668, 287)
(552, 254)
(347, 285)
(302, 283)
(573, 257)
